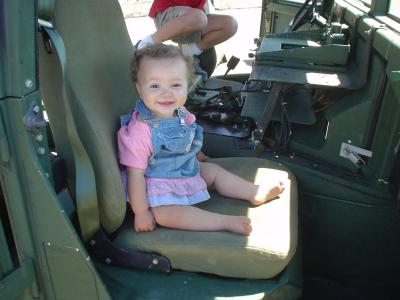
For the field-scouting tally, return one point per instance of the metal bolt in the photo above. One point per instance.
(41, 151)
(36, 109)
(155, 261)
(349, 141)
(28, 83)
(107, 261)
(39, 137)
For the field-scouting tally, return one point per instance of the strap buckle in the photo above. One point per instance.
(48, 45)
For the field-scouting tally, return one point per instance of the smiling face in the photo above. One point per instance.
(162, 84)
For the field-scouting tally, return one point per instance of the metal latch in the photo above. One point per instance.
(354, 154)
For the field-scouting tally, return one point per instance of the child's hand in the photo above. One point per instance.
(201, 156)
(145, 221)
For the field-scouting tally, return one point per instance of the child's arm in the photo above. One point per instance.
(201, 156)
(144, 218)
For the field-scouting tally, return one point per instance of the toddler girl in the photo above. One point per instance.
(159, 145)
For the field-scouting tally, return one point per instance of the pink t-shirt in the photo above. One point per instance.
(134, 141)
(160, 5)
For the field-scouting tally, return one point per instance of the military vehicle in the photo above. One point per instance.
(319, 106)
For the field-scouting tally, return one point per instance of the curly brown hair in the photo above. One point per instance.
(161, 51)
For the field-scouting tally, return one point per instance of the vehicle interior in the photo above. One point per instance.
(318, 107)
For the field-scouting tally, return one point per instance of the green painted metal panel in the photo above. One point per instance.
(345, 121)
(19, 284)
(36, 213)
(71, 277)
(388, 45)
(17, 56)
(394, 78)
(139, 284)
(380, 7)
(387, 136)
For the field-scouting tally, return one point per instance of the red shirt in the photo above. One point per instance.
(160, 5)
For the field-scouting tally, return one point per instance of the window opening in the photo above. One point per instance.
(394, 10)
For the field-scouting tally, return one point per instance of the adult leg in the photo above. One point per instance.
(196, 219)
(233, 186)
(219, 29)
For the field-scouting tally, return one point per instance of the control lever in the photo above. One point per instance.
(232, 63)
(354, 154)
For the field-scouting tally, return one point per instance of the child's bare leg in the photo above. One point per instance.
(193, 218)
(190, 19)
(231, 185)
(219, 28)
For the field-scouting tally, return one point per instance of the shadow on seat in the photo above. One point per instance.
(98, 52)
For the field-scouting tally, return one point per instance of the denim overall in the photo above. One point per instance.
(175, 145)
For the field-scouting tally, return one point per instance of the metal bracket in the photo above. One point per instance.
(353, 153)
(33, 119)
(102, 249)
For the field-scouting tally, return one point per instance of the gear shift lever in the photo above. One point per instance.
(232, 63)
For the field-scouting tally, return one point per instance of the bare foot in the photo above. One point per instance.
(238, 224)
(264, 193)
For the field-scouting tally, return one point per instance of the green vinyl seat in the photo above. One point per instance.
(98, 52)
(271, 244)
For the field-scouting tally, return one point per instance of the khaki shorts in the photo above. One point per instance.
(173, 12)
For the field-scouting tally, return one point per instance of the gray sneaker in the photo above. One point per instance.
(198, 70)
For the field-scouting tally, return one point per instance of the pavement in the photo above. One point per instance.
(239, 45)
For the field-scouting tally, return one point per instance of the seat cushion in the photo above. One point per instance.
(262, 254)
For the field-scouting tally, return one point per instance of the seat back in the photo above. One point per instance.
(98, 52)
